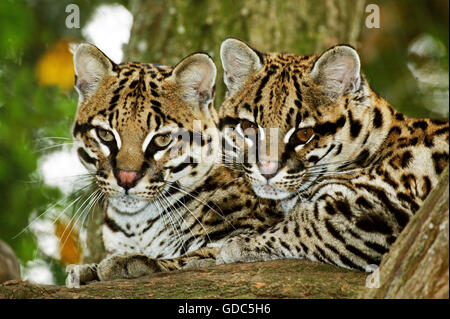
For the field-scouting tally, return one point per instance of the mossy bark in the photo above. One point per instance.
(273, 279)
(166, 31)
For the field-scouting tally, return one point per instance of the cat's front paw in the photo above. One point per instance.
(125, 267)
(232, 251)
(78, 275)
(244, 249)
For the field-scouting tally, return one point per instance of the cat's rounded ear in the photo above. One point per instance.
(195, 75)
(239, 61)
(337, 71)
(91, 67)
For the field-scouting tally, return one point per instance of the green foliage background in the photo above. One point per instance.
(29, 112)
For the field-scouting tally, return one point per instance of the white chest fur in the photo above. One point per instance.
(146, 232)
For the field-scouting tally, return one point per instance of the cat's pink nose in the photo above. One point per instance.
(268, 168)
(127, 179)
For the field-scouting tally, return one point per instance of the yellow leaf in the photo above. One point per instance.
(55, 67)
(69, 246)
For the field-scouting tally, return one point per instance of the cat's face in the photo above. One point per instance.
(138, 125)
(285, 115)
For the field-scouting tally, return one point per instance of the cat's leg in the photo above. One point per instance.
(277, 242)
(203, 257)
(112, 267)
(81, 274)
(136, 265)
(330, 229)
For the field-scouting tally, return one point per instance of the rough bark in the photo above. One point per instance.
(273, 279)
(417, 265)
(166, 31)
(9, 265)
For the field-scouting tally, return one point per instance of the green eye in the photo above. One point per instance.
(104, 135)
(162, 140)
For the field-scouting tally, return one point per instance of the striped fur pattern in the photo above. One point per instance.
(348, 169)
(169, 204)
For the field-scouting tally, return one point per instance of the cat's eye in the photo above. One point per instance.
(104, 135)
(249, 128)
(162, 140)
(302, 135)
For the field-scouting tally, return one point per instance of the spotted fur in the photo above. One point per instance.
(352, 187)
(167, 207)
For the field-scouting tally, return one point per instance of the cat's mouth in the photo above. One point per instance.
(128, 204)
(270, 192)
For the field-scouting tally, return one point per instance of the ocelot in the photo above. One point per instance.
(146, 134)
(348, 169)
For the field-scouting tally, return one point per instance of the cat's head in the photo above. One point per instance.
(291, 118)
(142, 128)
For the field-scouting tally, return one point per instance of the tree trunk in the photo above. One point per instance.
(166, 31)
(417, 264)
(273, 279)
(9, 265)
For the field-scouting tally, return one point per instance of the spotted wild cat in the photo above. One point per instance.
(348, 169)
(146, 133)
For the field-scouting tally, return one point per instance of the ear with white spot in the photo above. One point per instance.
(239, 61)
(91, 67)
(337, 70)
(195, 75)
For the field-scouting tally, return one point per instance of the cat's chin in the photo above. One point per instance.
(270, 192)
(128, 204)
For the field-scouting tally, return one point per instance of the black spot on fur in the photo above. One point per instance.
(399, 117)
(355, 126)
(247, 107)
(408, 199)
(155, 103)
(395, 130)
(406, 159)
(441, 131)
(333, 231)
(420, 124)
(85, 157)
(361, 201)
(350, 263)
(440, 161)
(330, 209)
(400, 215)
(377, 247)
(313, 159)
(426, 186)
(362, 157)
(133, 84)
(428, 141)
(344, 208)
(359, 253)
(114, 99)
(378, 118)
(373, 223)
(330, 127)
